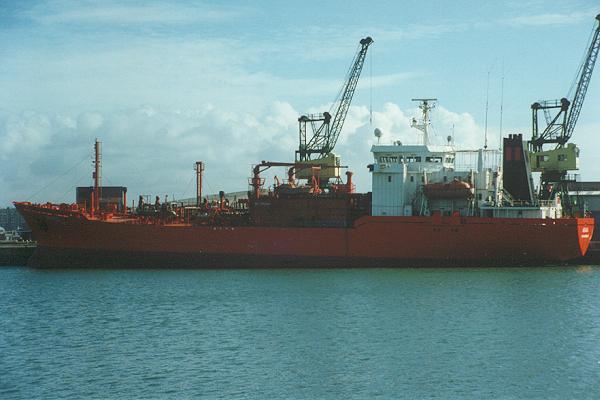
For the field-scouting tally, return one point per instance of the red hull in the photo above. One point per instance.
(71, 239)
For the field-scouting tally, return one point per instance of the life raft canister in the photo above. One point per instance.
(453, 190)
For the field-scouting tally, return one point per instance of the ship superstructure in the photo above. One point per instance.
(421, 179)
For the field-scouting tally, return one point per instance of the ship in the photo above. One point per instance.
(14, 250)
(424, 210)
(427, 207)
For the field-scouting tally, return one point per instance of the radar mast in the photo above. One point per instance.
(423, 125)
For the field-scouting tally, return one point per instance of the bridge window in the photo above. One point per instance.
(389, 178)
(562, 157)
(433, 159)
(388, 159)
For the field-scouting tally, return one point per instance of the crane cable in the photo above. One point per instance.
(53, 181)
(371, 88)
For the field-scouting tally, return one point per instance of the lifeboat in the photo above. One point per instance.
(453, 190)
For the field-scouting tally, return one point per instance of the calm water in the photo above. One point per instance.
(300, 334)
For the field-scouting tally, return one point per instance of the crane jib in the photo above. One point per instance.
(584, 80)
(559, 128)
(325, 136)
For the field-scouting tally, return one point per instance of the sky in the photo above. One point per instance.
(164, 84)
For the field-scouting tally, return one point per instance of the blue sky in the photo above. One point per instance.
(164, 84)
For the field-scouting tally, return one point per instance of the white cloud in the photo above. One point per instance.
(22, 132)
(161, 99)
(88, 121)
(545, 19)
(144, 148)
(153, 151)
(118, 13)
(394, 123)
(119, 74)
(463, 127)
(422, 30)
(386, 80)
(122, 74)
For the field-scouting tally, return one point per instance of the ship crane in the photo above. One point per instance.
(555, 163)
(326, 127)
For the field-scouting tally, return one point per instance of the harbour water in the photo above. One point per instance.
(300, 334)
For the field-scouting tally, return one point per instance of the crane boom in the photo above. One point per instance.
(349, 89)
(584, 81)
(560, 128)
(325, 137)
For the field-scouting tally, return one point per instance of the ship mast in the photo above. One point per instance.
(199, 172)
(423, 125)
(97, 175)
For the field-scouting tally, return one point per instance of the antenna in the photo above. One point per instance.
(371, 89)
(377, 132)
(487, 98)
(501, 105)
(425, 107)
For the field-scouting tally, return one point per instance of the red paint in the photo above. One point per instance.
(451, 239)
(452, 190)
